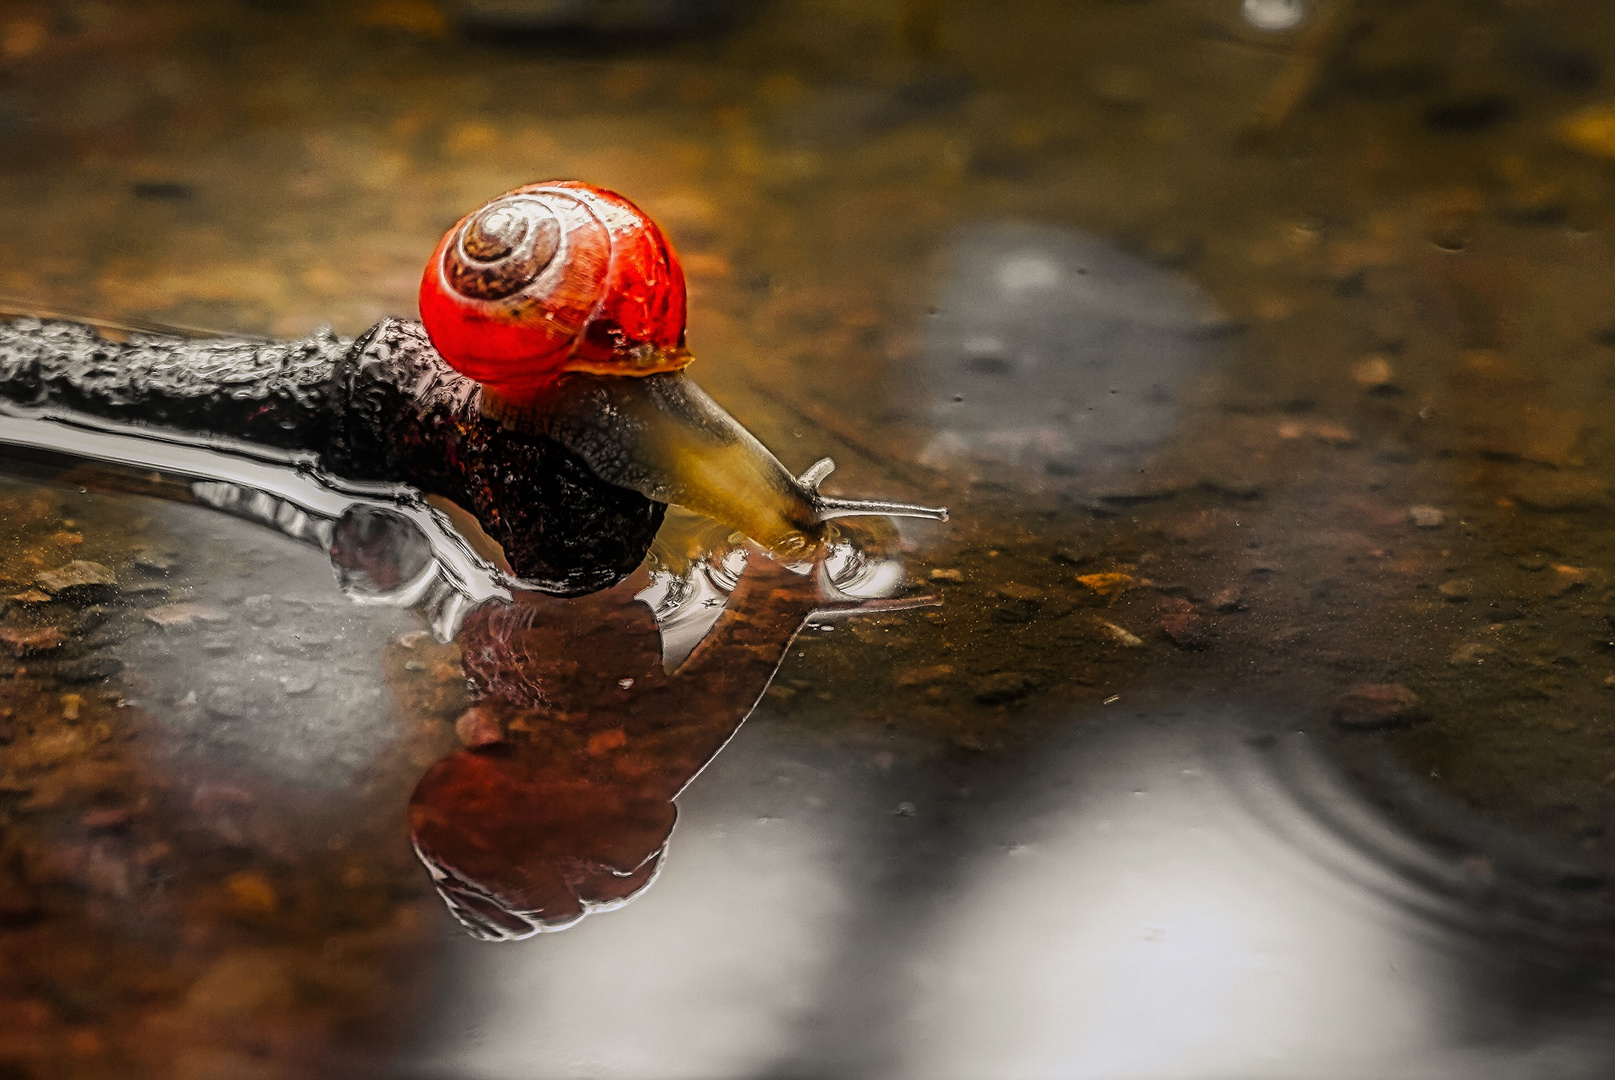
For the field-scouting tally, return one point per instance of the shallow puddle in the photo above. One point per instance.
(1250, 716)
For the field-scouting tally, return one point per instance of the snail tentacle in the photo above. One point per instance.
(828, 506)
(816, 472)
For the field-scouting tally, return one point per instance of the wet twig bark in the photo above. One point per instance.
(384, 408)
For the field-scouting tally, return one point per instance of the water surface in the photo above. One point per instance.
(1260, 350)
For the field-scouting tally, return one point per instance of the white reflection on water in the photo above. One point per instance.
(706, 975)
(283, 490)
(1145, 928)
(1144, 917)
(1154, 898)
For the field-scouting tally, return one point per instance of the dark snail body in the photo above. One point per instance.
(384, 408)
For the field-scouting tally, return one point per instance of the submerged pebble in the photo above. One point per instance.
(1376, 705)
(1118, 635)
(1457, 590)
(79, 580)
(1471, 653)
(1373, 373)
(155, 560)
(31, 642)
(1185, 626)
(1001, 688)
(298, 682)
(184, 615)
(924, 676)
(1274, 15)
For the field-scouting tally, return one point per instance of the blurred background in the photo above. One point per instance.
(1263, 351)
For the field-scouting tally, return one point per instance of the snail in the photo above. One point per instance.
(545, 396)
(567, 304)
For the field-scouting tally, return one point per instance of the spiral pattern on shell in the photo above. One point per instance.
(550, 278)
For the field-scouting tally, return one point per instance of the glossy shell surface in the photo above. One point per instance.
(550, 278)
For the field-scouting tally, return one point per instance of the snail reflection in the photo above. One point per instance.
(591, 714)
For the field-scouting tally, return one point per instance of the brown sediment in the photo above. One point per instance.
(134, 941)
(1416, 320)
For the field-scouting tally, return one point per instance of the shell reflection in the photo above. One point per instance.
(590, 715)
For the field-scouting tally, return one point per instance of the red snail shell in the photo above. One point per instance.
(551, 278)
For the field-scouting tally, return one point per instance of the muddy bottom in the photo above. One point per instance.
(1251, 715)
